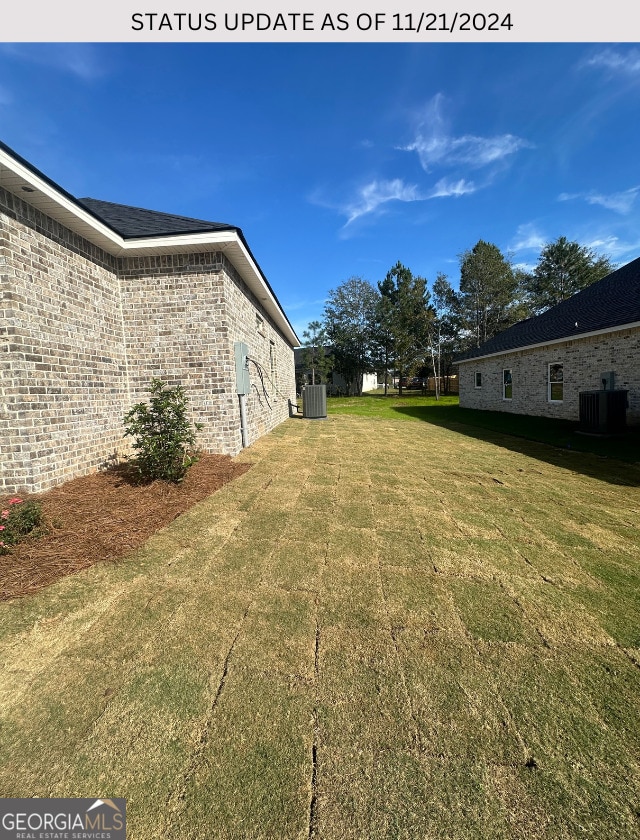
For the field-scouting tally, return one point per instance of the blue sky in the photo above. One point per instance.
(338, 160)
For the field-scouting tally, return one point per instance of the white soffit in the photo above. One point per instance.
(39, 193)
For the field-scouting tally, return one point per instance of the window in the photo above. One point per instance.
(260, 324)
(507, 384)
(478, 379)
(556, 382)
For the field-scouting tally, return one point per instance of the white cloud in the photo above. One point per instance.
(621, 202)
(528, 238)
(614, 247)
(446, 188)
(627, 63)
(436, 146)
(371, 196)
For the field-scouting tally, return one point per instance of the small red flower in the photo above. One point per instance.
(1, 527)
(5, 514)
(15, 501)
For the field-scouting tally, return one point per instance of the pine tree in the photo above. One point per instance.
(563, 269)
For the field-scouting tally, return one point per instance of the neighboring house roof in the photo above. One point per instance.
(132, 231)
(610, 304)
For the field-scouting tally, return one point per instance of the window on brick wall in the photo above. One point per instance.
(260, 324)
(556, 382)
(507, 384)
(478, 379)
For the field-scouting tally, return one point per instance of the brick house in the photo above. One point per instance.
(539, 366)
(96, 300)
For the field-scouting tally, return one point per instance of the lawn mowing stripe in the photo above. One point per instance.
(516, 740)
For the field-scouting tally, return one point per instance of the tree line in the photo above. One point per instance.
(401, 326)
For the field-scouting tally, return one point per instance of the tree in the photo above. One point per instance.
(486, 303)
(563, 269)
(446, 325)
(349, 319)
(315, 356)
(383, 337)
(408, 317)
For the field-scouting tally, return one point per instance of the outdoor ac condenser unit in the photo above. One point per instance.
(603, 412)
(314, 402)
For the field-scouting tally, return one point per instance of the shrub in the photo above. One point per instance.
(17, 520)
(163, 438)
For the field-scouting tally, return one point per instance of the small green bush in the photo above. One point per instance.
(17, 520)
(163, 438)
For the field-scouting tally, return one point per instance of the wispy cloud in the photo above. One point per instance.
(436, 146)
(85, 61)
(372, 198)
(373, 195)
(528, 238)
(447, 188)
(614, 247)
(627, 63)
(620, 202)
(437, 149)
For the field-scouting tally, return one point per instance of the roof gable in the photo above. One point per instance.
(121, 230)
(609, 304)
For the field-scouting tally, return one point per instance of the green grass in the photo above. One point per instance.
(377, 405)
(447, 412)
(383, 630)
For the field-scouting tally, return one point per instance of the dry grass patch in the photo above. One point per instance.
(348, 642)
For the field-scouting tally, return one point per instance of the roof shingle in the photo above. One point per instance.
(611, 302)
(134, 222)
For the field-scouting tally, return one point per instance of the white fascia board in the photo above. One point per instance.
(45, 195)
(566, 338)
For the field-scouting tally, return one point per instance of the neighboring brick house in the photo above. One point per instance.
(96, 300)
(539, 366)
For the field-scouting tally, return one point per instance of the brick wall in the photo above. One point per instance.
(64, 377)
(584, 361)
(82, 334)
(183, 314)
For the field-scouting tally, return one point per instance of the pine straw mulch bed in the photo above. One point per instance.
(104, 516)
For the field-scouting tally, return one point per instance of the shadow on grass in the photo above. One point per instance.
(615, 459)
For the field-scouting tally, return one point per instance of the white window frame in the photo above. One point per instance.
(505, 384)
(556, 382)
(477, 374)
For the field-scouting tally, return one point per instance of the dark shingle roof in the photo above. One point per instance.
(611, 302)
(134, 222)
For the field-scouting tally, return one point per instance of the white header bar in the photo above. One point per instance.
(264, 21)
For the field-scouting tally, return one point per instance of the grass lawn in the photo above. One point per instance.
(447, 412)
(384, 629)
